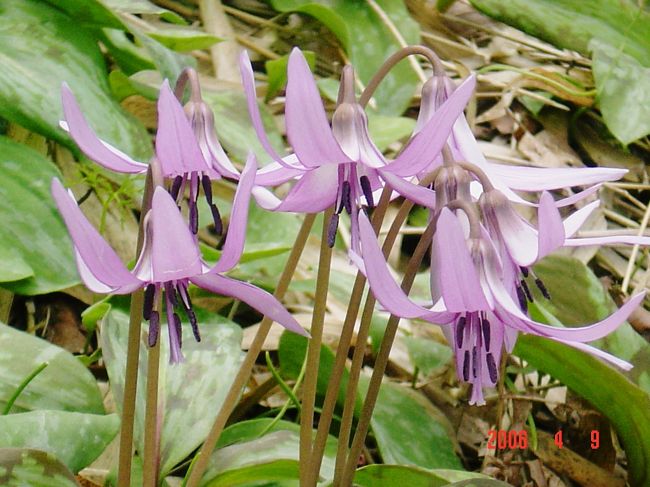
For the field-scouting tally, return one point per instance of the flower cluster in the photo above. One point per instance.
(482, 249)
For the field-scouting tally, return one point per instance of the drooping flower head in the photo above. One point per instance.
(169, 261)
(187, 150)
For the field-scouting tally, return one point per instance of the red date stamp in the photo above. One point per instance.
(507, 440)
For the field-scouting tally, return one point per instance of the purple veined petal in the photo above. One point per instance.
(99, 266)
(622, 364)
(315, 191)
(174, 251)
(610, 240)
(219, 161)
(550, 228)
(274, 174)
(460, 283)
(382, 284)
(418, 194)
(96, 149)
(539, 179)
(255, 297)
(176, 146)
(248, 81)
(574, 198)
(424, 146)
(308, 130)
(350, 129)
(573, 222)
(234, 245)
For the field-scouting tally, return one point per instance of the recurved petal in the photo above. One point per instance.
(413, 192)
(424, 146)
(610, 240)
(599, 354)
(255, 297)
(382, 284)
(275, 173)
(176, 145)
(174, 251)
(308, 130)
(460, 283)
(96, 149)
(234, 245)
(550, 229)
(573, 222)
(99, 266)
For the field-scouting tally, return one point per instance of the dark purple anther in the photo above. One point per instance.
(460, 328)
(147, 308)
(207, 188)
(179, 330)
(170, 293)
(540, 285)
(523, 304)
(176, 186)
(492, 367)
(466, 366)
(195, 326)
(216, 217)
(154, 328)
(524, 286)
(485, 327)
(524, 271)
(194, 217)
(345, 198)
(331, 230)
(474, 362)
(367, 190)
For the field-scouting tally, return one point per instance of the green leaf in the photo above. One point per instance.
(20, 467)
(410, 430)
(76, 439)
(427, 355)
(392, 475)
(368, 42)
(385, 130)
(144, 7)
(623, 91)
(183, 39)
(64, 385)
(92, 314)
(46, 263)
(40, 48)
(191, 392)
(624, 404)
(169, 63)
(276, 69)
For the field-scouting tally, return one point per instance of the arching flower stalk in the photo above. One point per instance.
(339, 165)
(169, 261)
(187, 150)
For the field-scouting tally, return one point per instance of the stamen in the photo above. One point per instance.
(524, 271)
(474, 362)
(492, 367)
(154, 328)
(540, 285)
(170, 293)
(195, 326)
(345, 198)
(331, 230)
(523, 304)
(216, 217)
(207, 188)
(367, 190)
(194, 217)
(466, 366)
(524, 286)
(485, 327)
(147, 308)
(460, 328)
(176, 186)
(179, 330)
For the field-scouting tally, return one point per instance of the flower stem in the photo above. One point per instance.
(359, 350)
(203, 456)
(382, 360)
(133, 351)
(151, 433)
(345, 339)
(313, 353)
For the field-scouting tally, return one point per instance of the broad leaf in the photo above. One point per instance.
(40, 48)
(190, 393)
(65, 384)
(40, 469)
(75, 439)
(391, 475)
(36, 265)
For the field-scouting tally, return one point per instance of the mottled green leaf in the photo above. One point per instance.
(42, 264)
(427, 355)
(64, 385)
(21, 467)
(368, 42)
(183, 39)
(626, 406)
(76, 439)
(40, 48)
(385, 130)
(190, 392)
(392, 475)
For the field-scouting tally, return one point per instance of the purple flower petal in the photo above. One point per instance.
(99, 266)
(382, 284)
(418, 194)
(460, 284)
(598, 353)
(573, 222)
(550, 229)
(176, 146)
(426, 144)
(274, 174)
(173, 251)
(308, 130)
(350, 129)
(96, 149)
(615, 239)
(234, 245)
(255, 297)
